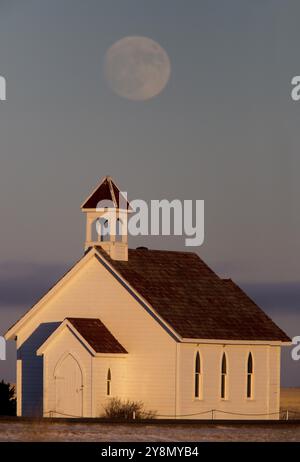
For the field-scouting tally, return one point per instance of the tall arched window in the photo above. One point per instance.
(108, 383)
(223, 376)
(197, 375)
(119, 230)
(105, 229)
(249, 375)
(102, 229)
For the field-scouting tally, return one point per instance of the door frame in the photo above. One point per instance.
(55, 378)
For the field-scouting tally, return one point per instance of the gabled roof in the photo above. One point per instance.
(186, 297)
(92, 333)
(106, 191)
(192, 299)
(97, 335)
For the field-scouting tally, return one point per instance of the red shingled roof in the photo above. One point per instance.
(193, 299)
(97, 335)
(106, 191)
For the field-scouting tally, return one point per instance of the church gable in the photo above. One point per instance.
(54, 290)
(90, 290)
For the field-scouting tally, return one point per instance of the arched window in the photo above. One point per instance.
(197, 375)
(223, 376)
(102, 229)
(119, 225)
(249, 376)
(108, 383)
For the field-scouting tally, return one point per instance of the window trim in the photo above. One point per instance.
(119, 230)
(108, 383)
(224, 376)
(200, 376)
(101, 224)
(251, 375)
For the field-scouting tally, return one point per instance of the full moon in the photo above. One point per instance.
(137, 68)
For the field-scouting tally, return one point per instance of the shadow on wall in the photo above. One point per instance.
(32, 370)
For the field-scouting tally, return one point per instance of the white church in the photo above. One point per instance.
(146, 325)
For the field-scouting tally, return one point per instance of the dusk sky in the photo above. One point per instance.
(224, 129)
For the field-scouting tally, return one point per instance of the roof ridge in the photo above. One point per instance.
(167, 251)
(85, 318)
(112, 192)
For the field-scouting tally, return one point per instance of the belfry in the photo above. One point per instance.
(106, 212)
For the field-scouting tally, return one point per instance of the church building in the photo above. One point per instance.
(154, 326)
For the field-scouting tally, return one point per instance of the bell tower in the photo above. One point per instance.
(106, 212)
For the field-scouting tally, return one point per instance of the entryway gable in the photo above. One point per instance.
(69, 356)
(66, 324)
(67, 377)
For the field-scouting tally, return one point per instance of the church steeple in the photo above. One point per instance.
(106, 212)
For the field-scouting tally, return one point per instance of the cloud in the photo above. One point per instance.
(274, 297)
(23, 283)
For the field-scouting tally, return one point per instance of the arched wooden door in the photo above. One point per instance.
(69, 387)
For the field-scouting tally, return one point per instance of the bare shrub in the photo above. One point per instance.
(127, 410)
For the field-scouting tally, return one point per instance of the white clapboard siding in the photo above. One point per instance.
(118, 382)
(94, 292)
(274, 379)
(265, 381)
(157, 370)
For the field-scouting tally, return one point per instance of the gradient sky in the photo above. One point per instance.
(225, 130)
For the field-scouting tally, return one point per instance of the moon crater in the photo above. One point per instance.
(137, 68)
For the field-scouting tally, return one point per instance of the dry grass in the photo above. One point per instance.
(290, 400)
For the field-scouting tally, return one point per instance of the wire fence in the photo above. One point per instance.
(212, 414)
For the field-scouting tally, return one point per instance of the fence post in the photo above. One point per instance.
(212, 414)
(287, 414)
(133, 415)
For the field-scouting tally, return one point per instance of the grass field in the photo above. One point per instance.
(82, 431)
(107, 432)
(290, 400)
